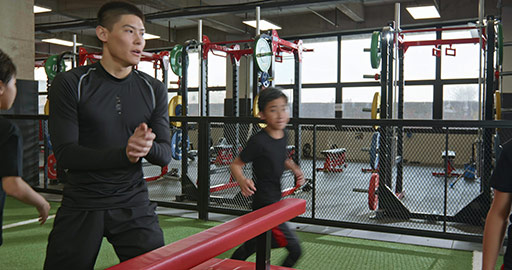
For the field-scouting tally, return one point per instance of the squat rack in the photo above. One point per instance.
(392, 39)
(278, 46)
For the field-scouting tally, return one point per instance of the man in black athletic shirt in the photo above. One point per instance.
(104, 118)
(267, 152)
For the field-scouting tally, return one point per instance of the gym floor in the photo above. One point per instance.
(336, 199)
(324, 247)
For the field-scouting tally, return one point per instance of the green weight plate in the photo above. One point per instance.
(175, 59)
(375, 50)
(50, 67)
(500, 44)
(262, 54)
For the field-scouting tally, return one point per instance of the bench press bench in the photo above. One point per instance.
(334, 160)
(449, 161)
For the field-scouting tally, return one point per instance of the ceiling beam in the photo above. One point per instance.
(198, 13)
(354, 11)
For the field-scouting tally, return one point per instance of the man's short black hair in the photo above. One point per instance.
(269, 94)
(7, 68)
(110, 13)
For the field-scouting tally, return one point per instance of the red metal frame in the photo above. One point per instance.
(234, 50)
(40, 63)
(156, 58)
(449, 170)
(439, 29)
(333, 162)
(438, 42)
(163, 171)
(83, 56)
(220, 187)
(278, 47)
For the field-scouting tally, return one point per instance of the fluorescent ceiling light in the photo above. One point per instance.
(60, 42)
(38, 9)
(264, 25)
(150, 36)
(424, 12)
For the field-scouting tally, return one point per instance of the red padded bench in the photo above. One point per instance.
(200, 248)
(334, 160)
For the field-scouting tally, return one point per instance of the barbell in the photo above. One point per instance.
(176, 149)
(375, 53)
(262, 54)
(497, 104)
(175, 109)
(256, 111)
(52, 66)
(175, 59)
(500, 44)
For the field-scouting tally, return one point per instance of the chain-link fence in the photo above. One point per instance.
(416, 177)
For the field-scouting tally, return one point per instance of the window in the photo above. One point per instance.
(317, 102)
(217, 69)
(460, 102)
(147, 67)
(355, 99)
(320, 65)
(217, 102)
(355, 62)
(193, 104)
(418, 102)
(192, 75)
(289, 94)
(285, 71)
(193, 70)
(173, 79)
(466, 55)
(419, 63)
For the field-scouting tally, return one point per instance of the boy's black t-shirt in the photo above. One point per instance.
(11, 158)
(11, 149)
(501, 180)
(267, 156)
(92, 116)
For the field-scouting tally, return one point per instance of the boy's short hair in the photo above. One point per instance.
(269, 94)
(7, 68)
(110, 12)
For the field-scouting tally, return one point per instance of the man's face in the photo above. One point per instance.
(125, 41)
(7, 93)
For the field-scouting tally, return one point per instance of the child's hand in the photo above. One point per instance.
(299, 177)
(43, 210)
(247, 187)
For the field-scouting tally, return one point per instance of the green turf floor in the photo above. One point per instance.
(24, 247)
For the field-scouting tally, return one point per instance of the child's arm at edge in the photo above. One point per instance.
(15, 186)
(495, 227)
(246, 185)
(299, 175)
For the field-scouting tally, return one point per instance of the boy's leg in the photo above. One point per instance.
(75, 239)
(283, 236)
(245, 250)
(133, 231)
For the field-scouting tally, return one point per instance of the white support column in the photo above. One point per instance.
(17, 36)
